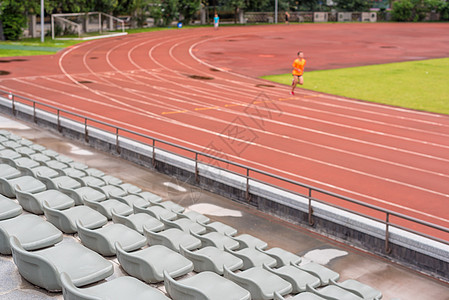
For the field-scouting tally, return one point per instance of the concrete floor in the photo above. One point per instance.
(395, 282)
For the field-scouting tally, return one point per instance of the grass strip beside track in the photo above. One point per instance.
(421, 85)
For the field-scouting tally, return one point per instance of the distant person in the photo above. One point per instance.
(287, 16)
(216, 21)
(298, 71)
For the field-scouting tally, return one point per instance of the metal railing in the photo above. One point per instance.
(247, 172)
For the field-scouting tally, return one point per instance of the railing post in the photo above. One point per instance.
(154, 154)
(311, 221)
(197, 179)
(248, 196)
(34, 112)
(59, 122)
(86, 132)
(11, 96)
(117, 146)
(387, 234)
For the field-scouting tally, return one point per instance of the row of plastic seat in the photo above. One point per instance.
(179, 241)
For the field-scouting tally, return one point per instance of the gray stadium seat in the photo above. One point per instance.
(25, 183)
(84, 193)
(283, 257)
(249, 241)
(297, 277)
(9, 208)
(169, 205)
(32, 231)
(59, 182)
(204, 286)
(8, 153)
(184, 224)
(124, 287)
(220, 227)
(218, 240)
(66, 219)
(172, 238)
(150, 263)
(156, 212)
(323, 273)
(194, 216)
(333, 292)
(133, 199)
(43, 267)
(360, 289)
(9, 172)
(212, 259)
(106, 207)
(102, 240)
(137, 221)
(112, 191)
(34, 202)
(259, 282)
(301, 296)
(74, 173)
(42, 170)
(252, 258)
(150, 197)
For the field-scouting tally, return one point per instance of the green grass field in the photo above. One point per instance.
(421, 85)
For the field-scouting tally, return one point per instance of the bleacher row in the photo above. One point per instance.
(155, 241)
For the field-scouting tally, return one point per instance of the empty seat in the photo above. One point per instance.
(252, 258)
(170, 205)
(204, 286)
(112, 191)
(40, 158)
(32, 231)
(56, 164)
(156, 212)
(150, 263)
(84, 193)
(184, 224)
(106, 207)
(297, 277)
(78, 165)
(130, 188)
(249, 241)
(212, 259)
(59, 182)
(360, 289)
(43, 267)
(283, 257)
(8, 172)
(11, 144)
(124, 287)
(150, 197)
(74, 173)
(102, 240)
(111, 180)
(218, 240)
(301, 296)
(91, 181)
(9, 208)
(94, 172)
(133, 199)
(41, 170)
(317, 270)
(137, 221)
(34, 202)
(25, 183)
(64, 159)
(66, 219)
(259, 282)
(194, 216)
(333, 292)
(24, 162)
(25, 150)
(172, 238)
(220, 227)
(8, 153)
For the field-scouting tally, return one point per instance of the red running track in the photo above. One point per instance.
(198, 88)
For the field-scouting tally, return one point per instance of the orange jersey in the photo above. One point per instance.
(298, 64)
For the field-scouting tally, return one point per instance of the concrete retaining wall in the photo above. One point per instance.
(414, 251)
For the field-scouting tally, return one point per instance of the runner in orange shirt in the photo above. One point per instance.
(298, 70)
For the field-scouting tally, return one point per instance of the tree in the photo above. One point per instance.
(188, 8)
(352, 5)
(170, 11)
(13, 18)
(235, 5)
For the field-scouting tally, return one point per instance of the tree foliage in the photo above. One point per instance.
(352, 5)
(13, 18)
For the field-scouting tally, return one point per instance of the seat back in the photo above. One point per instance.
(71, 292)
(179, 291)
(35, 268)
